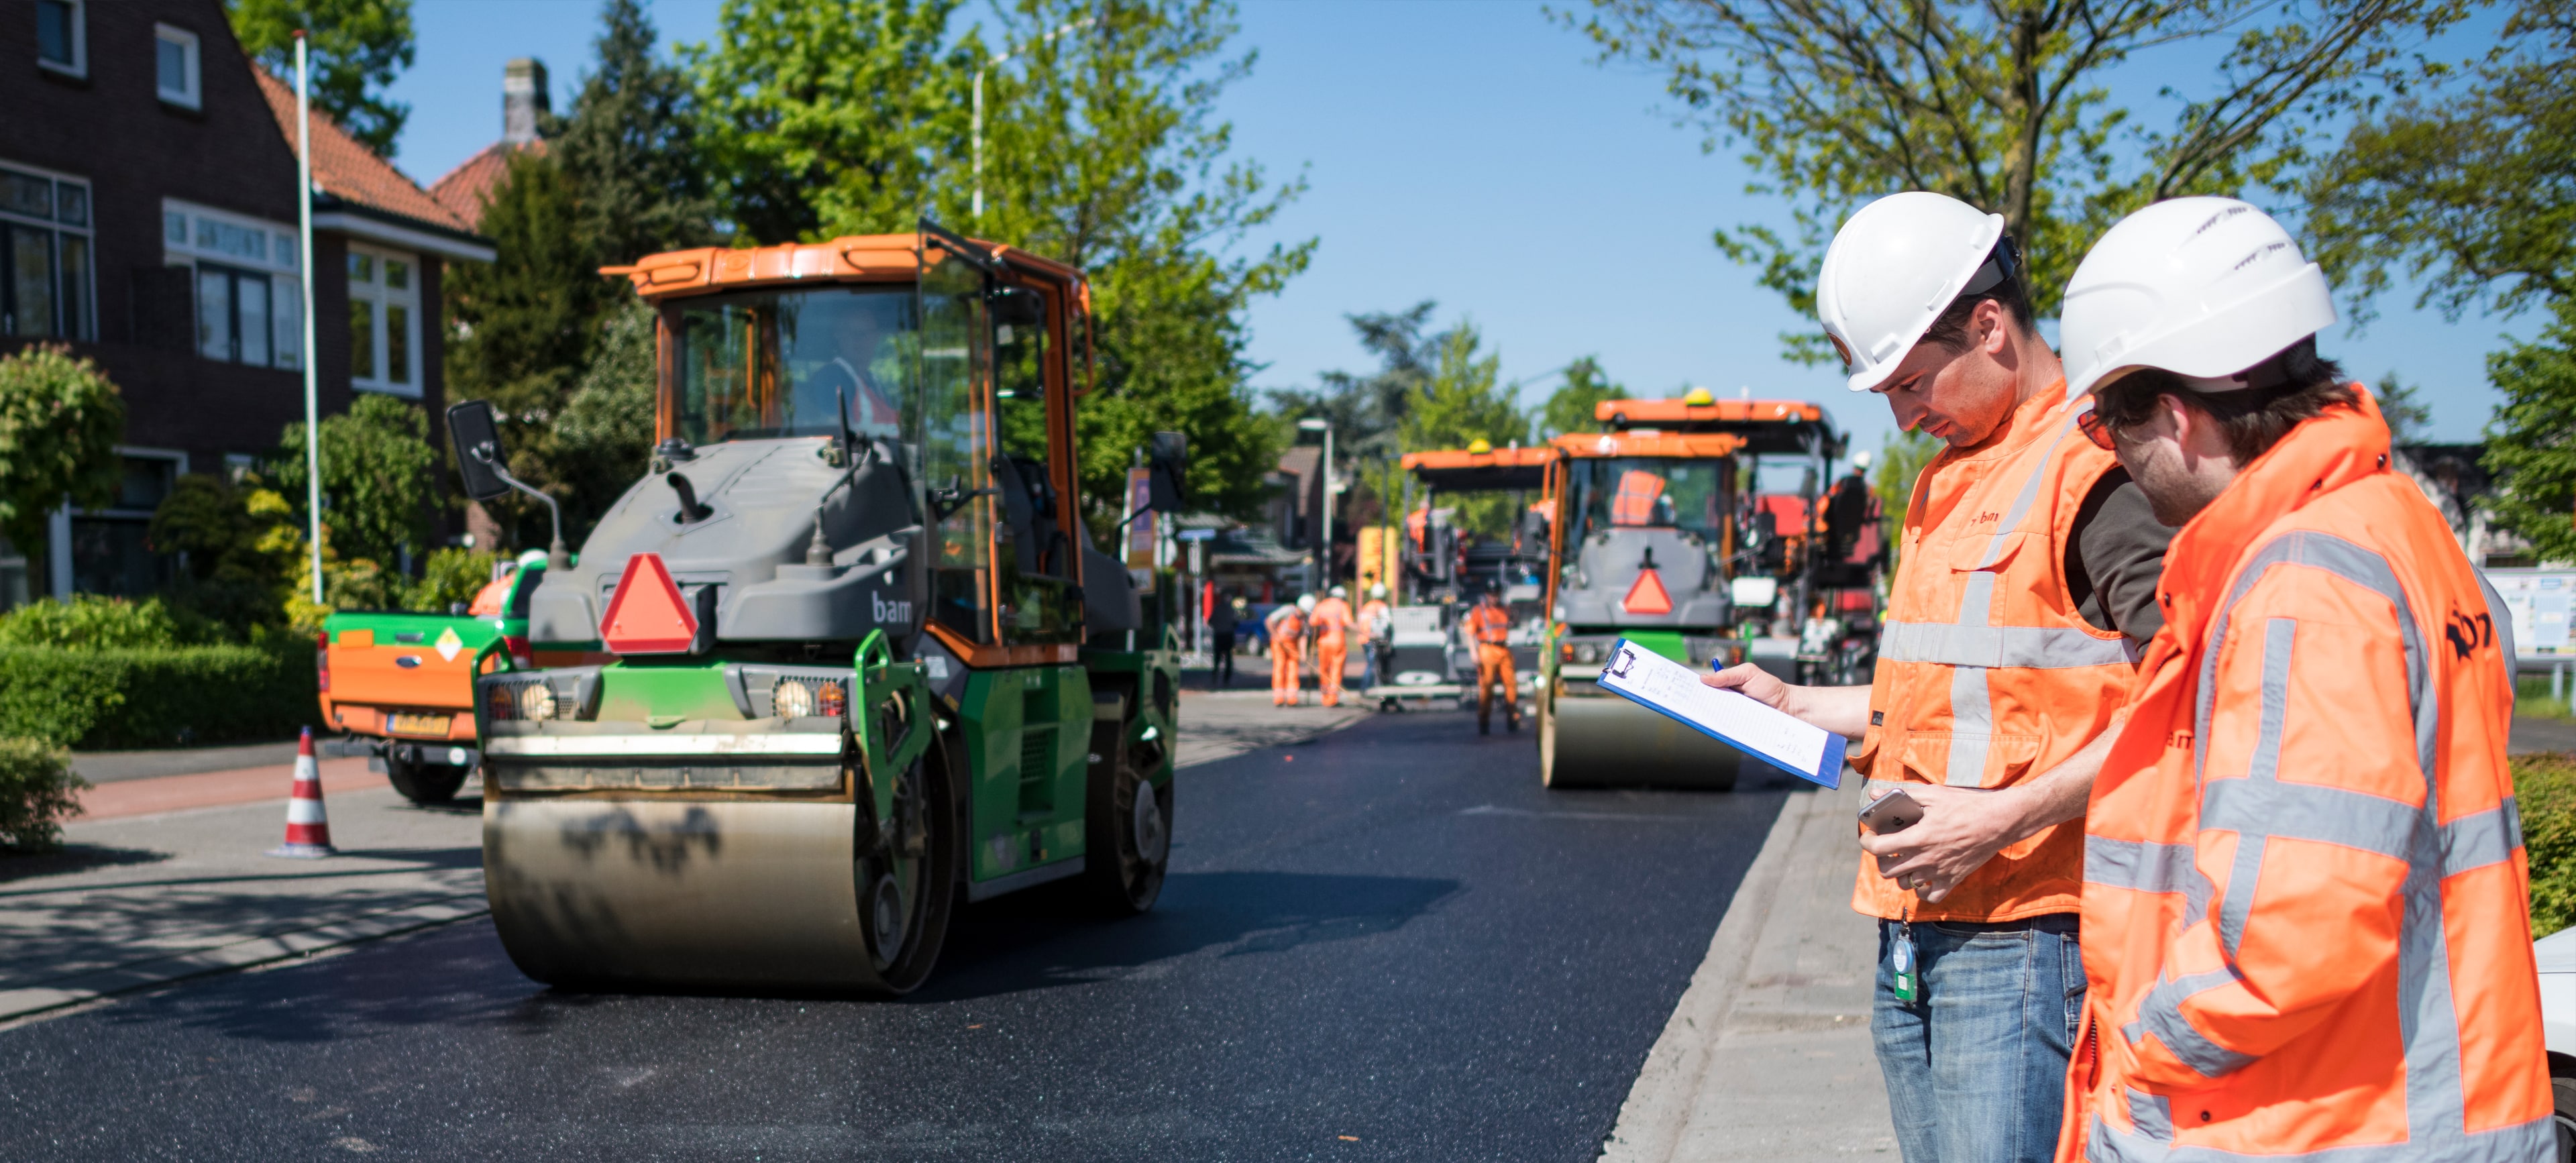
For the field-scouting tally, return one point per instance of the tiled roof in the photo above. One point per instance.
(350, 171)
(465, 188)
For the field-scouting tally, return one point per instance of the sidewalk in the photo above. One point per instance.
(1768, 1057)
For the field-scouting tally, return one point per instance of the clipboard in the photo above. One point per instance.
(1671, 689)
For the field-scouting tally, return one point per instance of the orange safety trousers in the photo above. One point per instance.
(2304, 878)
(1284, 688)
(1494, 665)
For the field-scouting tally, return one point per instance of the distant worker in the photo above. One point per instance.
(1377, 637)
(1640, 500)
(1286, 627)
(1490, 627)
(1222, 617)
(1331, 622)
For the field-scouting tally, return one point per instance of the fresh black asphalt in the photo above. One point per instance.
(1390, 943)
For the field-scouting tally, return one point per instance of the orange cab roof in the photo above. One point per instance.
(1721, 411)
(855, 257)
(1457, 470)
(1535, 456)
(1649, 442)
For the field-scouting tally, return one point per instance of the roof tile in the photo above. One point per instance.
(349, 170)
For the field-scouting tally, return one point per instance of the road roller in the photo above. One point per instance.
(847, 655)
(1655, 541)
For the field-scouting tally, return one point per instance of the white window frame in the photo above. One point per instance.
(87, 332)
(190, 94)
(375, 292)
(79, 66)
(193, 234)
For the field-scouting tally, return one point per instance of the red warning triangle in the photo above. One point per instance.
(1648, 596)
(647, 615)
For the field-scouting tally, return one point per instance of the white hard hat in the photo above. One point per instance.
(1860, 461)
(1377, 591)
(1306, 603)
(2200, 287)
(1893, 268)
(1341, 592)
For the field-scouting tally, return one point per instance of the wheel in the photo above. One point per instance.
(1127, 832)
(908, 884)
(2562, 1085)
(426, 784)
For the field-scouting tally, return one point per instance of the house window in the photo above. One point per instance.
(111, 548)
(384, 321)
(175, 64)
(62, 36)
(45, 263)
(249, 302)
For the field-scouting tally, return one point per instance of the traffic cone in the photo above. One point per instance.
(308, 827)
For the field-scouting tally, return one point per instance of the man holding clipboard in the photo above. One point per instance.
(2025, 589)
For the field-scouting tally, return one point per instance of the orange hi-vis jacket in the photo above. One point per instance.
(1372, 612)
(1489, 625)
(2304, 881)
(1332, 623)
(1287, 626)
(1987, 672)
(1634, 502)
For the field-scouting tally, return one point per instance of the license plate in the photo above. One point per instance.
(408, 724)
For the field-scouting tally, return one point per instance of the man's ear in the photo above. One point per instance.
(1995, 327)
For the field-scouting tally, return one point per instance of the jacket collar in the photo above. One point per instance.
(2322, 454)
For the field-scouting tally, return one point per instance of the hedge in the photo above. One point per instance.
(37, 791)
(196, 695)
(2544, 787)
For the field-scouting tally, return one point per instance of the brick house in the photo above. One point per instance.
(147, 217)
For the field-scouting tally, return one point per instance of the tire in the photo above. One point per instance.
(426, 784)
(907, 893)
(1127, 832)
(2562, 1086)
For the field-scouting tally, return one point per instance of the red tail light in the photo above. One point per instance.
(497, 704)
(832, 702)
(517, 645)
(322, 660)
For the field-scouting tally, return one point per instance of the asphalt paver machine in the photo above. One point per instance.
(1647, 545)
(1444, 570)
(846, 656)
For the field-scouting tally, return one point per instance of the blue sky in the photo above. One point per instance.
(1467, 152)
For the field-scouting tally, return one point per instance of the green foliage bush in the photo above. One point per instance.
(91, 622)
(38, 790)
(2544, 788)
(158, 697)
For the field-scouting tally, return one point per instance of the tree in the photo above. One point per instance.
(377, 491)
(357, 48)
(2403, 408)
(2002, 105)
(2472, 193)
(240, 542)
(2531, 447)
(630, 148)
(1465, 402)
(1901, 458)
(601, 445)
(60, 419)
(1572, 406)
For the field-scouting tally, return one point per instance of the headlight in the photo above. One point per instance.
(536, 701)
(791, 699)
(1587, 652)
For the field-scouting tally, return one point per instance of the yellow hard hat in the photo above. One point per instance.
(1699, 398)
(1480, 446)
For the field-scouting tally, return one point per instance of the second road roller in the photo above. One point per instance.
(846, 656)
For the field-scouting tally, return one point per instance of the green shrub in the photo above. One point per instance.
(108, 699)
(2544, 786)
(38, 790)
(91, 622)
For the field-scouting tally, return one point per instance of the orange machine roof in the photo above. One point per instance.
(1648, 442)
(851, 256)
(1502, 469)
(1535, 456)
(1722, 411)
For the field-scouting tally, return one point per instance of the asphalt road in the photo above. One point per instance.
(1390, 943)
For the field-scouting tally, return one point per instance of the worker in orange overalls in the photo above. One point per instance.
(1331, 624)
(1489, 626)
(2305, 885)
(1286, 626)
(1635, 501)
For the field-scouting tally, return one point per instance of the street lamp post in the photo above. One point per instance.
(1319, 424)
(1000, 59)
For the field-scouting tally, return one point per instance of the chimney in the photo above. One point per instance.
(523, 99)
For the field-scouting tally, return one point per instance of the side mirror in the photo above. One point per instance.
(1168, 473)
(477, 437)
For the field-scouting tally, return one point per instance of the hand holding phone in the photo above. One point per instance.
(1893, 812)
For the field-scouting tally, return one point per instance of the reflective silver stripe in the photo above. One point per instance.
(2479, 839)
(2354, 564)
(2161, 1014)
(2300, 811)
(2521, 1143)
(2263, 774)
(2033, 647)
(1972, 727)
(2152, 1114)
(2139, 865)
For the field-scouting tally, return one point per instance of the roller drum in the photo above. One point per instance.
(724, 893)
(1607, 741)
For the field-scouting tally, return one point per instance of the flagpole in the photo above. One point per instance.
(312, 373)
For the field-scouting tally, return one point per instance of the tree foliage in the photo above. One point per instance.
(2531, 446)
(2469, 189)
(1571, 407)
(629, 149)
(60, 419)
(357, 48)
(2002, 105)
(377, 491)
(1463, 402)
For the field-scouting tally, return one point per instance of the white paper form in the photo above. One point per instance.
(1662, 685)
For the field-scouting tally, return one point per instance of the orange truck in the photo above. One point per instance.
(400, 686)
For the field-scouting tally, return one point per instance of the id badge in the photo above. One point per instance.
(1909, 985)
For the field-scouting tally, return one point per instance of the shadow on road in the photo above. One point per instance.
(72, 858)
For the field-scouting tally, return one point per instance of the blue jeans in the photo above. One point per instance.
(1976, 1064)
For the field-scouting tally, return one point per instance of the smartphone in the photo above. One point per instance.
(1893, 812)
